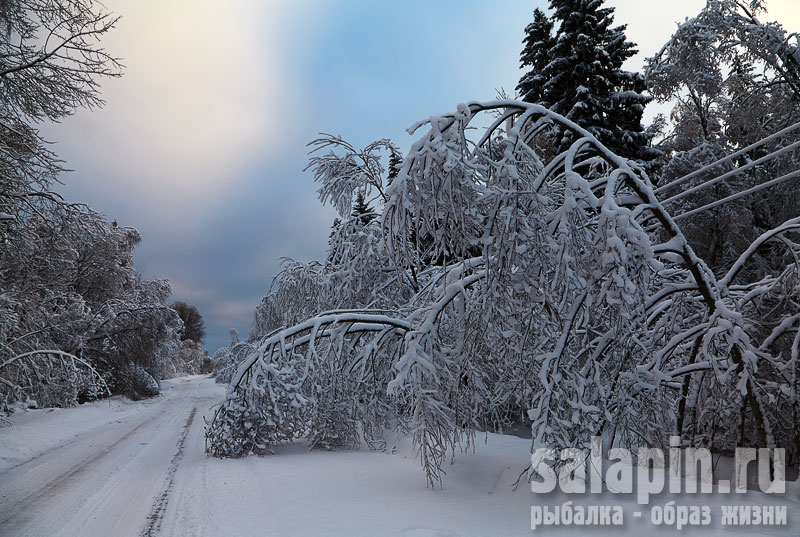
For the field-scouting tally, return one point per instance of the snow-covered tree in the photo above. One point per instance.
(190, 359)
(50, 63)
(75, 304)
(351, 171)
(76, 319)
(535, 56)
(562, 287)
(132, 338)
(729, 78)
(577, 72)
(227, 360)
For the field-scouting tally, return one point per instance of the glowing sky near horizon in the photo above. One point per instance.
(201, 145)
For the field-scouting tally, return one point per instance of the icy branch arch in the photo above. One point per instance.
(563, 288)
(268, 398)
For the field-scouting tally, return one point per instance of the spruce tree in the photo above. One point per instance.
(537, 44)
(578, 73)
(395, 164)
(362, 212)
(334, 229)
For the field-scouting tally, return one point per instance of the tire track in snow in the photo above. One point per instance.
(56, 485)
(160, 504)
(69, 441)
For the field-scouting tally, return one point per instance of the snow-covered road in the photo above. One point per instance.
(113, 479)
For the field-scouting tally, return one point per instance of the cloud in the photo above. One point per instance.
(193, 108)
(232, 312)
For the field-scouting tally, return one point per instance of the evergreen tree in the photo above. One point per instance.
(395, 164)
(578, 73)
(537, 44)
(362, 211)
(334, 229)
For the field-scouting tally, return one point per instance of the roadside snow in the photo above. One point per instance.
(297, 492)
(353, 493)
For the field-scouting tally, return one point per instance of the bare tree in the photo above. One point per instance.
(50, 65)
(193, 324)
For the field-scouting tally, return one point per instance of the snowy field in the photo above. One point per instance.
(126, 468)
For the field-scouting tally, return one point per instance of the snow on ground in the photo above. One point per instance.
(123, 468)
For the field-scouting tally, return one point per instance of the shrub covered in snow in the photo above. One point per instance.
(189, 358)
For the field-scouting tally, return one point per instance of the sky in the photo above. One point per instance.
(201, 145)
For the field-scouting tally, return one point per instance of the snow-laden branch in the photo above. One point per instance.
(518, 286)
(29, 373)
(728, 158)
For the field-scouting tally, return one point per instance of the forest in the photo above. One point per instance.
(543, 259)
(77, 320)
